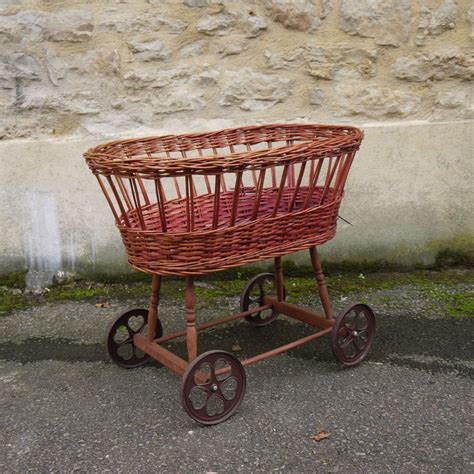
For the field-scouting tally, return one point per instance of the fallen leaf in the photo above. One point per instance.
(236, 347)
(320, 435)
(106, 304)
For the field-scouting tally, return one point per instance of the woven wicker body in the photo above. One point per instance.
(198, 203)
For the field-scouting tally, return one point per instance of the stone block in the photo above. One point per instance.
(333, 62)
(229, 21)
(451, 99)
(149, 22)
(470, 18)
(41, 98)
(18, 66)
(70, 25)
(179, 100)
(388, 21)
(376, 102)
(422, 67)
(251, 90)
(435, 21)
(302, 15)
(149, 50)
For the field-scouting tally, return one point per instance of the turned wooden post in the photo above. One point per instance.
(279, 279)
(323, 291)
(153, 307)
(191, 332)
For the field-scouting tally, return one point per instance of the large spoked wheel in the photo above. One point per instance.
(252, 297)
(352, 334)
(119, 340)
(213, 387)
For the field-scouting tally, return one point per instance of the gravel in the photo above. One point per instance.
(407, 408)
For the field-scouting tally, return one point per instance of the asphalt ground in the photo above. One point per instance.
(408, 408)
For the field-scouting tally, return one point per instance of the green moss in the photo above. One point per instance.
(14, 280)
(462, 305)
(10, 302)
(440, 286)
(454, 251)
(458, 305)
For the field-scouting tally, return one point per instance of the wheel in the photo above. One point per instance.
(213, 387)
(119, 340)
(252, 297)
(352, 334)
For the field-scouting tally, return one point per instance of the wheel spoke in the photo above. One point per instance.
(346, 342)
(343, 331)
(122, 343)
(356, 349)
(132, 332)
(356, 319)
(359, 341)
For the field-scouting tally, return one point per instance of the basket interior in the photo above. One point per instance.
(176, 209)
(208, 181)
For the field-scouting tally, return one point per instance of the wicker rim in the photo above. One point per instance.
(149, 156)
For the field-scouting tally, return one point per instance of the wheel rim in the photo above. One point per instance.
(252, 297)
(353, 333)
(119, 340)
(213, 387)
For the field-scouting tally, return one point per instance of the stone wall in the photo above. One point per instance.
(81, 67)
(74, 73)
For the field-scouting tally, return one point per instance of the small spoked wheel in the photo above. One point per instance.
(352, 334)
(259, 286)
(119, 340)
(213, 387)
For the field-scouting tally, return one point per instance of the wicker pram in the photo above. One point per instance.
(198, 203)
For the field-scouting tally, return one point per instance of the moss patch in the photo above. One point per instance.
(441, 286)
(459, 305)
(14, 280)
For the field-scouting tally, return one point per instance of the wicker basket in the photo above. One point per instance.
(198, 203)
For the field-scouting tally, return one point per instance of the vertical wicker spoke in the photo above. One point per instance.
(124, 192)
(217, 192)
(144, 192)
(347, 167)
(160, 200)
(109, 200)
(329, 181)
(119, 201)
(176, 187)
(235, 200)
(136, 200)
(258, 194)
(273, 171)
(340, 173)
(291, 171)
(313, 183)
(297, 187)
(189, 203)
(281, 188)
